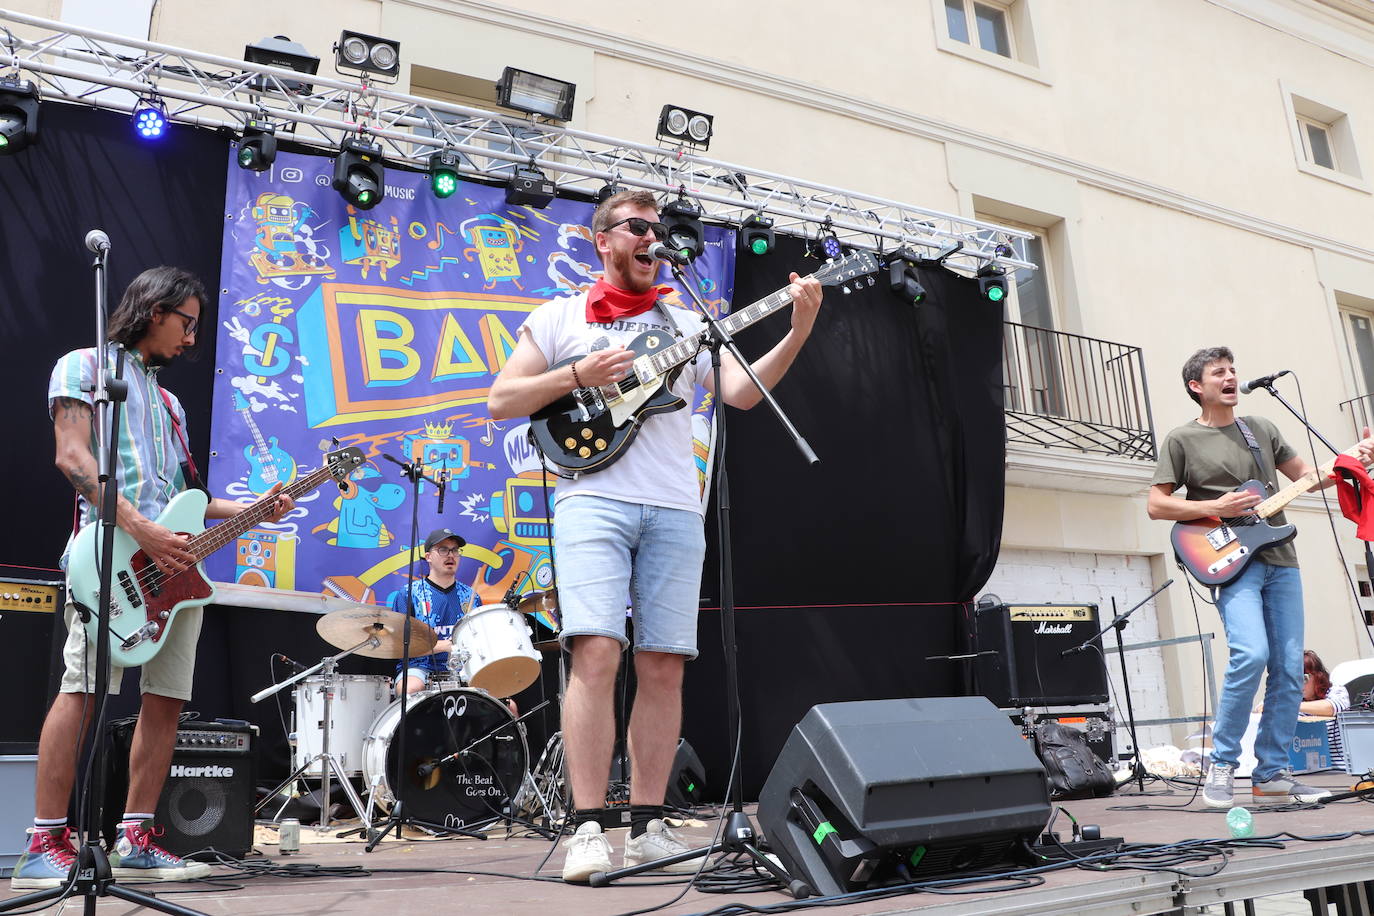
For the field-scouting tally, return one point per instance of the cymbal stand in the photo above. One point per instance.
(329, 763)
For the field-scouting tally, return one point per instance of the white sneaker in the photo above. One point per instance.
(588, 853)
(658, 842)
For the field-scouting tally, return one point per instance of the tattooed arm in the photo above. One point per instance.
(72, 427)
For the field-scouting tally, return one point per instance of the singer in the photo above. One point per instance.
(633, 529)
(155, 322)
(1262, 608)
(440, 601)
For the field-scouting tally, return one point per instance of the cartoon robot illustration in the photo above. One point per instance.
(494, 248)
(282, 243)
(440, 452)
(366, 243)
(360, 505)
(521, 511)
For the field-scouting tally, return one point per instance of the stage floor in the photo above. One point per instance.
(518, 876)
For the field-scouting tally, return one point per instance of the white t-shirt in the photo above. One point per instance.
(658, 468)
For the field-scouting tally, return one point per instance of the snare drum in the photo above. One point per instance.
(494, 650)
(439, 723)
(358, 700)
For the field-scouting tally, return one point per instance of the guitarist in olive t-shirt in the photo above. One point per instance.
(1261, 607)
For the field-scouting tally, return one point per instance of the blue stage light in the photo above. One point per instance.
(150, 118)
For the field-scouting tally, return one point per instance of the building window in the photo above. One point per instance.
(1316, 142)
(989, 25)
(1323, 140)
(1032, 369)
(996, 33)
(1357, 323)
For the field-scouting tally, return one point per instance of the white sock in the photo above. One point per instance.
(49, 823)
(134, 819)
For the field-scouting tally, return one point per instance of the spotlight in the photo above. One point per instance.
(683, 219)
(359, 53)
(443, 173)
(901, 276)
(685, 126)
(756, 234)
(359, 173)
(150, 118)
(535, 94)
(18, 115)
(992, 281)
(280, 51)
(608, 190)
(258, 148)
(828, 244)
(530, 187)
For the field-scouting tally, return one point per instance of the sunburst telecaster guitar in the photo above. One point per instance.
(144, 601)
(588, 429)
(1217, 550)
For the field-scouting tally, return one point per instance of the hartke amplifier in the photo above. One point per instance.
(1024, 665)
(208, 797)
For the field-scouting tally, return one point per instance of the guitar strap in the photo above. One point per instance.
(188, 464)
(1253, 444)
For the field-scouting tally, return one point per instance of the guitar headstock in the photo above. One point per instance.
(240, 402)
(852, 266)
(342, 462)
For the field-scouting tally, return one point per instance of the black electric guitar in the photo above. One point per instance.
(588, 429)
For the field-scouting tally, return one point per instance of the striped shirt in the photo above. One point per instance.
(148, 461)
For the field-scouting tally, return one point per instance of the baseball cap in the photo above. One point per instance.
(442, 534)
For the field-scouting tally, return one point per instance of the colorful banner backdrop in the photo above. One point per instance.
(383, 329)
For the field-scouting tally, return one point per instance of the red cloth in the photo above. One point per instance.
(607, 303)
(1356, 504)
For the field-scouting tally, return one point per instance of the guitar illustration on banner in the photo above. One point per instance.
(588, 429)
(268, 463)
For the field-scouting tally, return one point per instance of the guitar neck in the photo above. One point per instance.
(670, 358)
(213, 538)
(258, 441)
(1303, 484)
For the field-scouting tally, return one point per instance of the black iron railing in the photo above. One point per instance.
(1361, 411)
(1073, 392)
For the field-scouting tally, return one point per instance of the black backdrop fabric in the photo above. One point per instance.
(850, 576)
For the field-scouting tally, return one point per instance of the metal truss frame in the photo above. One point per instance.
(111, 72)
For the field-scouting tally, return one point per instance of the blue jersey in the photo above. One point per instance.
(441, 609)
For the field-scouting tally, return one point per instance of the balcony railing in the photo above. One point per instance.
(1361, 411)
(1072, 392)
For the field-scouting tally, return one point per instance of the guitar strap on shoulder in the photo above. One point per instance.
(1253, 444)
(188, 464)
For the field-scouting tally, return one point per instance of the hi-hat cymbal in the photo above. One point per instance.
(347, 627)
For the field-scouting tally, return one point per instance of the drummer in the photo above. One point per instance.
(440, 601)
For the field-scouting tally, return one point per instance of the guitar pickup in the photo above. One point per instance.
(130, 590)
(1229, 559)
(1220, 536)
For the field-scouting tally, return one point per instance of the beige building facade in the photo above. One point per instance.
(1195, 172)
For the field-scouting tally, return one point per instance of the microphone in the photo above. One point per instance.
(97, 241)
(426, 768)
(662, 252)
(443, 488)
(1073, 651)
(295, 665)
(1264, 381)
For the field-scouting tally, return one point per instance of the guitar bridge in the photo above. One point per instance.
(589, 400)
(1233, 557)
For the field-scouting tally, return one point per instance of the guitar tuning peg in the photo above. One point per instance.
(846, 289)
(871, 281)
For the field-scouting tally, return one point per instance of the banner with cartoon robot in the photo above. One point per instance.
(383, 329)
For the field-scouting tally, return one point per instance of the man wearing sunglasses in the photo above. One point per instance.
(155, 322)
(634, 528)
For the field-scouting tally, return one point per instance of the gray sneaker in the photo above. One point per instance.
(1217, 792)
(588, 853)
(1283, 789)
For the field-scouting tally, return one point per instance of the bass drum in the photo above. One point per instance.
(461, 792)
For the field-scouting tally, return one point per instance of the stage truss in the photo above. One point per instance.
(111, 72)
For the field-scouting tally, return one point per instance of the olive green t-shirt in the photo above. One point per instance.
(1209, 461)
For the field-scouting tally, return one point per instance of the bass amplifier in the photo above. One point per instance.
(1021, 661)
(209, 794)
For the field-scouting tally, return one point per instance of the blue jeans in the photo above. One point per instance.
(608, 551)
(1262, 612)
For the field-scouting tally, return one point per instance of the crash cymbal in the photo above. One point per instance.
(548, 646)
(545, 600)
(347, 627)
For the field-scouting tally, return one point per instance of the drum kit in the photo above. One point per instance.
(467, 761)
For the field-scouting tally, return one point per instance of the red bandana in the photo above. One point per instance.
(607, 303)
(1356, 492)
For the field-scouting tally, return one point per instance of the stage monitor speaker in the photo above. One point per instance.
(1021, 662)
(209, 794)
(687, 782)
(876, 791)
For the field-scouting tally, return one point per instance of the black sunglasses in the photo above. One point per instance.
(638, 227)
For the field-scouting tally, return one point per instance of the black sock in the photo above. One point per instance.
(640, 815)
(583, 815)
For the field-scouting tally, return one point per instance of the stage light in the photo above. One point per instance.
(530, 187)
(358, 53)
(258, 147)
(828, 244)
(18, 115)
(756, 235)
(443, 173)
(535, 94)
(901, 276)
(359, 174)
(280, 51)
(685, 235)
(992, 281)
(685, 126)
(150, 118)
(608, 190)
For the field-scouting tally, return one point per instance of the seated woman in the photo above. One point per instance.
(1322, 698)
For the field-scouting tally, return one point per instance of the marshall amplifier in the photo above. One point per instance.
(1020, 661)
(209, 794)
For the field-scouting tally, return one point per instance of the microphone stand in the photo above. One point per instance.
(1118, 624)
(739, 835)
(91, 876)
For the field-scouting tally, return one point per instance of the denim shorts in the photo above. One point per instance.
(608, 552)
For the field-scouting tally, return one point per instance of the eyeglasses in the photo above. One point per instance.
(638, 227)
(190, 322)
(448, 551)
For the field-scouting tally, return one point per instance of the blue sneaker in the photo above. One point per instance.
(46, 862)
(136, 857)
